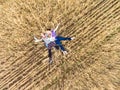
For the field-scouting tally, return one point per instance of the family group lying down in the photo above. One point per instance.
(51, 39)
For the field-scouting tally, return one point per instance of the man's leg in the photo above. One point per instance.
(60, 38)
(58, 42)
(63, 49)
(56, 47)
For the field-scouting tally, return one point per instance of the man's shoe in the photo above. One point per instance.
(72, 38)
(65, 52)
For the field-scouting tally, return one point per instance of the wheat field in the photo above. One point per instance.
(93, 59)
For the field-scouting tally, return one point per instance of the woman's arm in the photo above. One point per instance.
(37, 40)
(56, 27)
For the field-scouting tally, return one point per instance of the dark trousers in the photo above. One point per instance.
(50, 45)
(58, 41)
(50, 54)
(58, 44)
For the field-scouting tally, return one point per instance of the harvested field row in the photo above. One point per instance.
(82, 69)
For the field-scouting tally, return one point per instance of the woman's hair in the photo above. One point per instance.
(48, 33)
